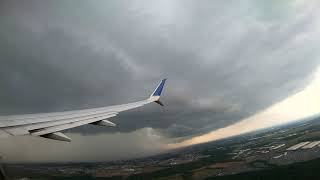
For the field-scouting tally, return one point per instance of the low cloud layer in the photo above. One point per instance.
(103, 147)
(224, 61)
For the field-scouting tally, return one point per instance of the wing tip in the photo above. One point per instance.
(155, 96)
(158, 91)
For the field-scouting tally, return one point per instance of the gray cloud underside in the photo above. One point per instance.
(224, 61)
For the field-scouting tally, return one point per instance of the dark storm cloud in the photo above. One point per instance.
(224, 61)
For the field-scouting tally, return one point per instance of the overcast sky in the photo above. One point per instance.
(225, 61)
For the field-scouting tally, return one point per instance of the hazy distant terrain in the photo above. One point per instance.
(276, 152)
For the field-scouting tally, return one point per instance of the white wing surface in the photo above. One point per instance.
(49, 125)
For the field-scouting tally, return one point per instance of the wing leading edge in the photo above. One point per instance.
(49, 125)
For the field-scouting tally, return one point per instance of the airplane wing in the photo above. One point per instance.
(49, 125)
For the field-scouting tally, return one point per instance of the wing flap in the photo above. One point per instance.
(26, 129)
(61, 122)
(16, 131)
(4, 134)
(53, 129)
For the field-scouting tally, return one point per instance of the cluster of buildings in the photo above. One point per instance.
(304, 145)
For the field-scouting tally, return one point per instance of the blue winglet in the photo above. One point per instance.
(159, 89)
(157, 93)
